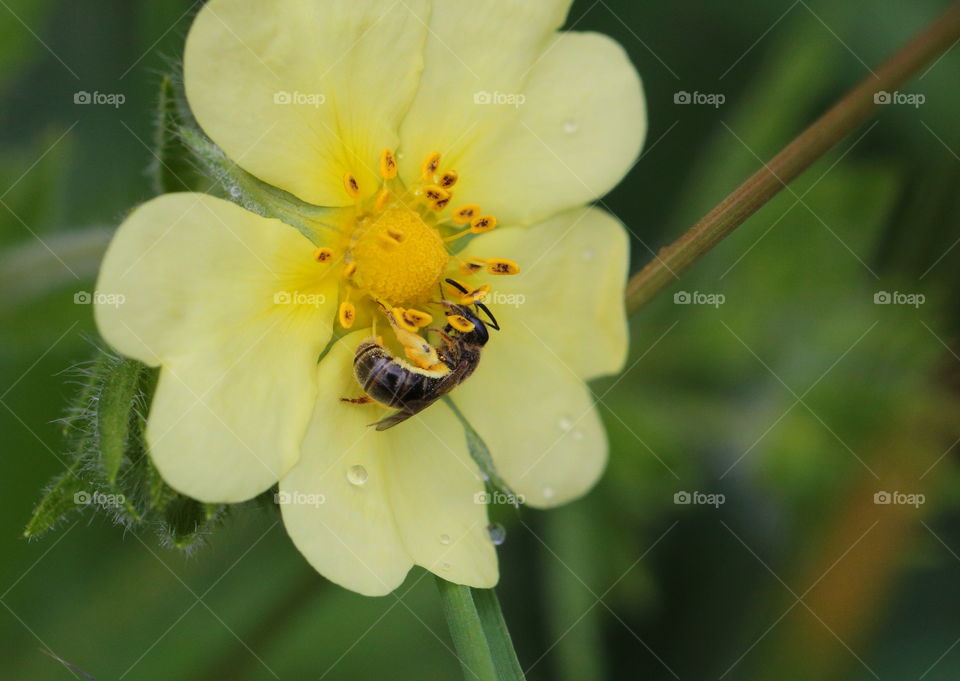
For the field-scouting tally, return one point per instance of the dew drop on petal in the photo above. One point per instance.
(548, 492)
(497, 533)
(565, 423)
(588, 254)
(357, 475)
(570, 126)
(445, 539)
(235, 192)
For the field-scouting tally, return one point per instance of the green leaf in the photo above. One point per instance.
(481, 454)
(59, 500)
(115, 413)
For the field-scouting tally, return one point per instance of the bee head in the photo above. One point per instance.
(478, 335)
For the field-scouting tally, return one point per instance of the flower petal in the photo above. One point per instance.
(534, 122)
(345, 529)
(436, 493)
(569, 292)
(300, 93)
(232, 307)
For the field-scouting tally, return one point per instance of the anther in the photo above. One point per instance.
(472, 265)
(350, 269)
(429, 167)
(323, 254)
(482, 224)
(347, 314)
(465, 214)
(383, 198)
(448, 179)
(460, 323)
(388, 164)
(502, 266)
(351, 185)
(416, 318)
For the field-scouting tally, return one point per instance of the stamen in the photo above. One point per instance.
(429, 167)
(472, 265)
(437, 196)
(482, 224)
(323, 254)
(460, 323)
(347, 314)
(398, 317)
(448, 179)
(388, 164)
(351, 185)
(417, 318)
(502, 266)
(383, 198)
(465, 214)
(350, 269)
(472, 296)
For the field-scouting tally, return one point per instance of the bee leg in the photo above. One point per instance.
(447, 340)
(365, 399)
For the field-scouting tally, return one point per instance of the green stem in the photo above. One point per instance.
(842, 119)
(498, 636)
(467, 632)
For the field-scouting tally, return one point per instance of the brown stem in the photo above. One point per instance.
(842, 119)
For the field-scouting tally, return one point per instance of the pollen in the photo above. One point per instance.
(323, 254)
(502, 266)
(399, 259)
(351, 185)
(347, 314)
(460, 323)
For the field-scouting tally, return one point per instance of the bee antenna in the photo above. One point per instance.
(493, 320)
(457, 286)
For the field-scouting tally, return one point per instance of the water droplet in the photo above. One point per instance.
(356, 475)
(570, 126)
(445, 539)
(235, 192)
(565, 423)
(588, 254)
(497, 533)
(548, 492)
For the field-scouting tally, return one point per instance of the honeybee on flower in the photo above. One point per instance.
(426, 200)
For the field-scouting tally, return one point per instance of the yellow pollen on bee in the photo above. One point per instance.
(460, 323)
(466, 213)
(448, 179)
(323, 255)
(351, 185)
(347, 314)
(502, 266)
(388, 165)
(429, 167)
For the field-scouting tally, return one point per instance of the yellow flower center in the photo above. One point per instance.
(399, 258)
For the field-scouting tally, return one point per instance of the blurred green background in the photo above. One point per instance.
(798, 398)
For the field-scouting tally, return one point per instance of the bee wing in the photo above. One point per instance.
(392, 420)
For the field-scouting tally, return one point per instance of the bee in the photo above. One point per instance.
(394, 382)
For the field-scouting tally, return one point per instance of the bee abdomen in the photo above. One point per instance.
(386, 380)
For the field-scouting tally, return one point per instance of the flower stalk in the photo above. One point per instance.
(826, 132)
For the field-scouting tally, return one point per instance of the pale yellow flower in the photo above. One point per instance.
(335, 101)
